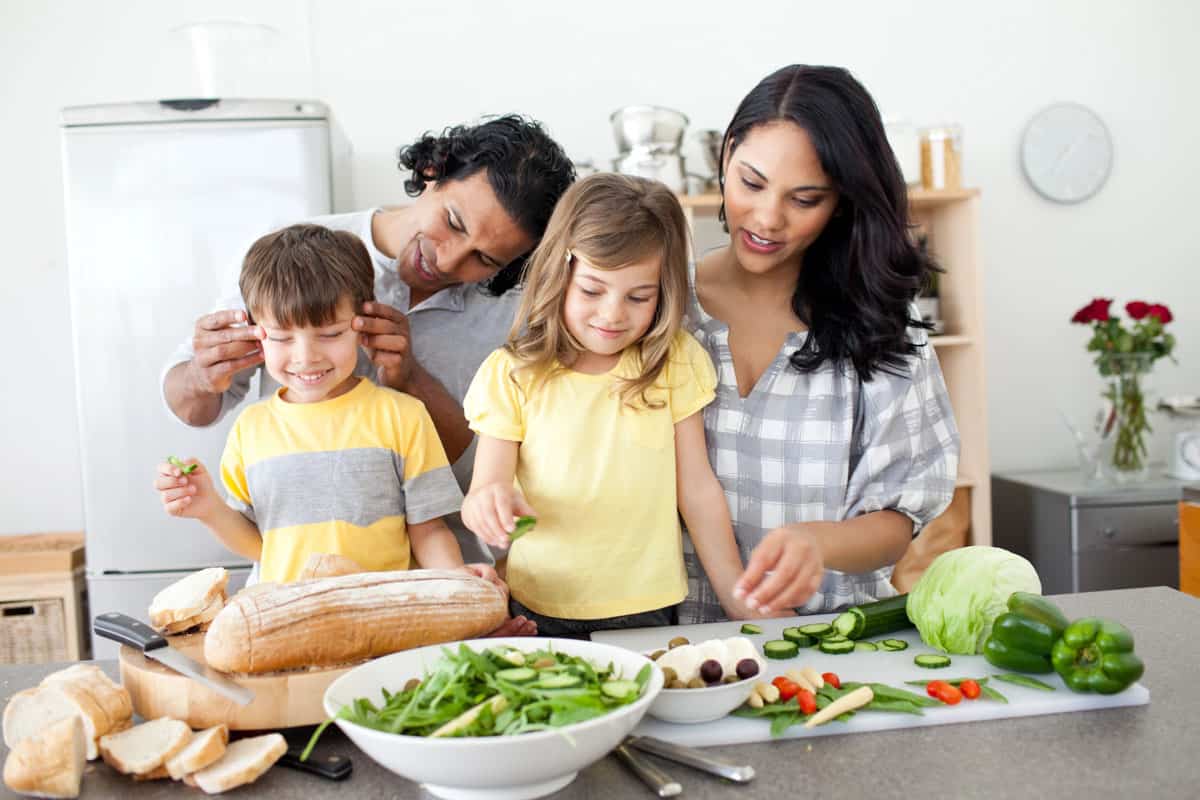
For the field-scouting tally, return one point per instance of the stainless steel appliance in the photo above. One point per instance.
(162, 199)
(649, 139)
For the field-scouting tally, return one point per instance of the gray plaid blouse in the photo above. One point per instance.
(822, 446)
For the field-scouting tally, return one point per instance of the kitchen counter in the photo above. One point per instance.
(1144, 751)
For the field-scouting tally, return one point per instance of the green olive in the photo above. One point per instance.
(678, 641)
(669, 675)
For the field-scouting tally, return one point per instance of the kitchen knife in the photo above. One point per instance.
(127, 630)
(693, 757)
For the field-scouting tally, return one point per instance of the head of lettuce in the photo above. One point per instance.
(962, 592)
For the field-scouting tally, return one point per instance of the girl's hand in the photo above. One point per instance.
(796, 565)
(192, 495)
(491, 511)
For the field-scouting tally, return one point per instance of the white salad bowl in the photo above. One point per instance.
(491, 767)
(701, 705)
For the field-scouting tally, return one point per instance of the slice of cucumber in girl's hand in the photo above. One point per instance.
(524, 526)
(186, 469)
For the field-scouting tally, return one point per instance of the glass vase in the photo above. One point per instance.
(1127, 425)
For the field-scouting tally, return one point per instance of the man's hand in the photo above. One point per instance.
(223, 347)
(388, 341)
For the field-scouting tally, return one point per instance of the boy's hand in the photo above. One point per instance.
(192, 495)
(513, 626)
(388, 341)
(491, 512)
(223, 347)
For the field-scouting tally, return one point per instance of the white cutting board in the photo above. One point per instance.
(892, 668)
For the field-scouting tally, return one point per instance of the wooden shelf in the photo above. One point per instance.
(917, 198)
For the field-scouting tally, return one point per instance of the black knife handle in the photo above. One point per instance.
(127, 630)
(334, 768)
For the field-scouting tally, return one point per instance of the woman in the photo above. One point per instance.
(832, 432)
(443, 268)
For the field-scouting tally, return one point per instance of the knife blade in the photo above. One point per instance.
(693, 757)
(135, 633)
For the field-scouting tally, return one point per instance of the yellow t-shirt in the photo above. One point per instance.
(340, 476)
(601, 478)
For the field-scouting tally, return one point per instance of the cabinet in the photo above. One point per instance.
(950, 220)
(1084, 538)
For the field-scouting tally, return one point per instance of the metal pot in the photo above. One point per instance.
(648, 128)
(710, 147)
(665, 167)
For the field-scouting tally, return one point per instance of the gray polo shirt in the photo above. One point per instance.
(452, 333)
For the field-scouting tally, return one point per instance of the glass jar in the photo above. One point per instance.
(941, 157)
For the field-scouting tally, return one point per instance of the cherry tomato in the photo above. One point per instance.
(970, 689)
(832, 679)
(807, 701)
(787, 688)
(950, 695)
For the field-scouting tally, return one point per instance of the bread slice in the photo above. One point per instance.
(328, 565)
(244, 761)
(112, 697)
(51, 763)
(156, 774)
(30, 711)
(188, 597)
(146, 747)
(205, 747)
(201, 620)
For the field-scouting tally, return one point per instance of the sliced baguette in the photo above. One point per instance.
(205, 747)
(146, 747)
(243, 762)
(188, 597)
(112, 697)
(51, 763)
(329, 565)
(156, 774)
(201, 620)
(341, 620)
(30, 711)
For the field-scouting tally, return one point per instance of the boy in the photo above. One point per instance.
(331, 463)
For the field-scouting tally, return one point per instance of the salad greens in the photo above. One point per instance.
(500, 691)
(186, 469)
(523, 526)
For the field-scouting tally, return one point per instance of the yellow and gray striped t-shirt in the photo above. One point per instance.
(339, 476)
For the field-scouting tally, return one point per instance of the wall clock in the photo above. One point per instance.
(1066, 152)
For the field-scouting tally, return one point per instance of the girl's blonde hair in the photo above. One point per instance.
(610, 221)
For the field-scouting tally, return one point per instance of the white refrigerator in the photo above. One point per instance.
(162, 200)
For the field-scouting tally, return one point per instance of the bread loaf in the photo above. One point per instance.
(332, 621)
(328, 565)
(49, 764)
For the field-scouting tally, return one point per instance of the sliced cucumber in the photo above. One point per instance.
(780, 648)
(894, 645)
(818, 629)
(517, 675)
(751, 629)
(865, 647)
(619, 689)
(836, 648)
(875, 619)
(834, 637)
(931, 661)
(558, 681)
(798, 636)
(850, 623)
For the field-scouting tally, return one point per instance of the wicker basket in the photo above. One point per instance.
(32, 631)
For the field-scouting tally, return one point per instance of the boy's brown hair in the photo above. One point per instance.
(300, 274)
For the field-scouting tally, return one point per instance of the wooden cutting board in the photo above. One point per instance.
(281, 699)
(883, 667)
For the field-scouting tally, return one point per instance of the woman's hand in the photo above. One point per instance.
(785, 570)
(491, 511)
(222, 347)
(388, 341)
(192, 495)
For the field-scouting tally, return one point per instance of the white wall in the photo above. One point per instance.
(391, 70)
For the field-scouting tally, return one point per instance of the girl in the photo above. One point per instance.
(592, 406)
(832, 433)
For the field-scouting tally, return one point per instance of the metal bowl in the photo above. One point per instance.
(652, 128)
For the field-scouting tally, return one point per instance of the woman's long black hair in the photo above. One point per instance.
(526, 169)
(861, 274)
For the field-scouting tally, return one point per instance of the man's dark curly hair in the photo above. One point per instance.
(526, 169)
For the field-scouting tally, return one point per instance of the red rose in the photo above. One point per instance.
(1137, 309)
(1095, 311)
(1162, 312)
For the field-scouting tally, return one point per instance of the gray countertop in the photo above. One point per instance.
(1145, 751)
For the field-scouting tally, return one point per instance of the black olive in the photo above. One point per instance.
(747, 668)
(710, 671)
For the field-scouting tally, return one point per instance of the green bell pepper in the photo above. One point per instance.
(1022, 638)
(1096, 655)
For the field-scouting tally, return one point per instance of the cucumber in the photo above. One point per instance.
(834, 637)
(818, 629)
(798, 636)
(619, 689)
(558, 681)
(517, 675)
(780, 648)
(931, 661)
(750, 628)
(874, 619)
(836, 648)
(894, 645)
(865, 647)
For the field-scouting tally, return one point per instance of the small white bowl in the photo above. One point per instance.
(701, 705)
(491, 767)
